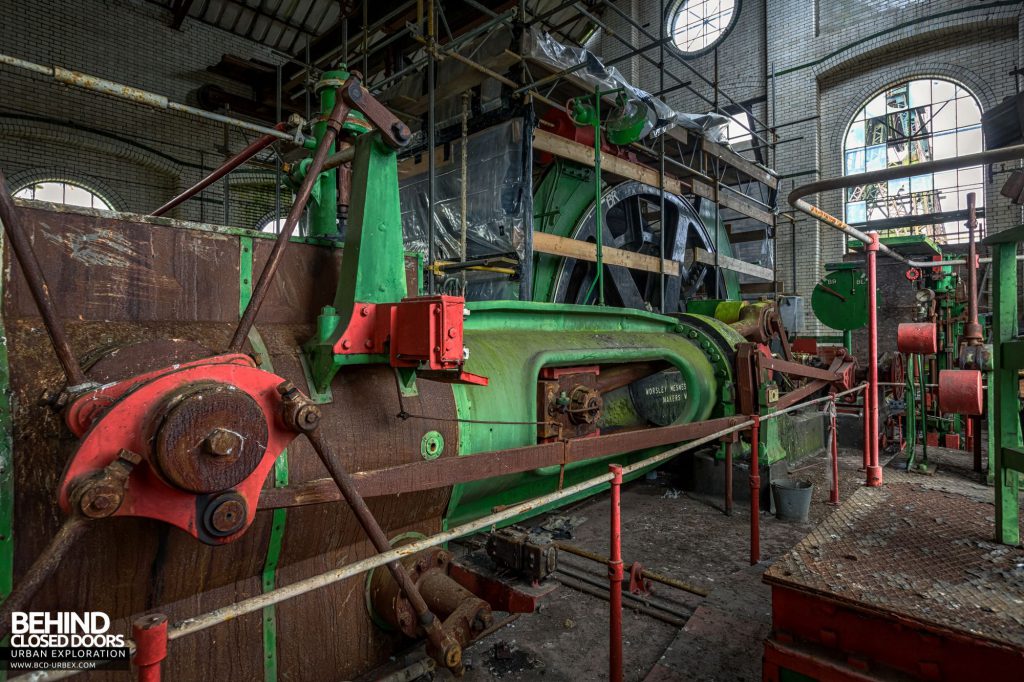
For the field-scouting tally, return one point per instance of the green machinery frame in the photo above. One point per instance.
(1006, 453)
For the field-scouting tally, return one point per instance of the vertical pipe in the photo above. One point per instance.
(924, 411)
(464, 185)
(598, 208)
(661, 187)
(615, 577)
(874, 471)
(277, 155)
(972, 330)
(150, 635)
(833, 496)
(227, 186)
(728, 477)
(755, 490)
(976, 441)
(431, 141)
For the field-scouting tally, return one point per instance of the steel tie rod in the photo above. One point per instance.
(442, 643)
(37, 285)
(259, 292)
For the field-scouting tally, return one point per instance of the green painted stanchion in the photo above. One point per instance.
(269, 576)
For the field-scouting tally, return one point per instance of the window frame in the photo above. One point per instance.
(669, 23)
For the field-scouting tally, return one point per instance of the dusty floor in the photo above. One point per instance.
(684, 536)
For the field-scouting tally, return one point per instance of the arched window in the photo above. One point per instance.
(63, 192)
(698, 25)
(912, 122)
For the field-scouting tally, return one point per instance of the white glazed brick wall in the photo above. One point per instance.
(830, 56)
(139, 157)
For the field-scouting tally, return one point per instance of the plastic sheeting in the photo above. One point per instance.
(499, 206)
(589, 67)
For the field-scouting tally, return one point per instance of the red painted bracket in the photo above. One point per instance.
(113, 418)
(421, 332)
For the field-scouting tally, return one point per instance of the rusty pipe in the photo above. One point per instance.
(259, 292)
(650, 575)
(443, 644)
(755, 490)
(37, 285)
(144, 97)
(972, 330)
(43, 567)
(796, 200)
(229, 165)
(874, 471)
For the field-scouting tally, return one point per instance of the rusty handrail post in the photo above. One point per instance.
(833, 497)
(728, 477)
(755, 490)
(615, 576)
(150, 635)
(874, 471)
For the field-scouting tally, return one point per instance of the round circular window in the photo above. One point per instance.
(696, 26)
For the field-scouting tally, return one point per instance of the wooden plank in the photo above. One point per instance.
(736, 202)
(466, 80)
(757, 235)
(736, 161)
(584, 154)
(574, 248)
(761, 287)
(733, 264)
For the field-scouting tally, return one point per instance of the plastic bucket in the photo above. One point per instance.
(792, 499)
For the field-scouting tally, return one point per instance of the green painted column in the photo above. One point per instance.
(323, 209)
(1006, 403)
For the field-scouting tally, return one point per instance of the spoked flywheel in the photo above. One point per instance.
(631, 222)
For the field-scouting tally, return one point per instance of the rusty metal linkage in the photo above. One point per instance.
(259, 292)
(231, 164)
(443, 646)
(37, 285)
(43, 567)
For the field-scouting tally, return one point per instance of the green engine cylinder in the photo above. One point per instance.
(513, 343)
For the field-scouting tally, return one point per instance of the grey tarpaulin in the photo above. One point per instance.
(499, 206)
(543, 48)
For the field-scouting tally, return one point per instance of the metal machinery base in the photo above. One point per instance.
(903, 582)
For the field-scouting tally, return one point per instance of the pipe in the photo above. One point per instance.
(796, 201)
(144, 97)
(150, 635)
(636, 605)
(728, 478)
(33, 273)
(431, 142)
(972, 330)
(259, 292)
(615, 575)
(755, 490)
(42, 568)
(833, 497)
(231, 164)
(874, 472)
(662, 605)
(650, 575)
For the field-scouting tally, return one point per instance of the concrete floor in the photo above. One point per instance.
(681, 535)
(678, 534)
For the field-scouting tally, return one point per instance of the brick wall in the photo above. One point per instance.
(135, 156)
(829, 58)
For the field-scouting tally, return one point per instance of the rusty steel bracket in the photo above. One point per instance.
(638, 584)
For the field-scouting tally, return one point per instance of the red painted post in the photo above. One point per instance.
(150, 635)
(874, 471)
(755, 491)
(728, 477)
(615, 576)
(833, 497)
